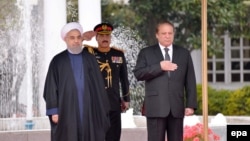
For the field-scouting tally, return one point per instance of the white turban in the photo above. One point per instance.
(70, 26)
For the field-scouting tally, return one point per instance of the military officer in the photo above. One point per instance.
(113, 66)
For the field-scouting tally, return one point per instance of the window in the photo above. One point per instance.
(231, 65)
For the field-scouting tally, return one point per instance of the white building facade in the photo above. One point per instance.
(229, 69)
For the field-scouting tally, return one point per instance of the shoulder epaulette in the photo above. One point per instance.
(119, 49)
(91, 49)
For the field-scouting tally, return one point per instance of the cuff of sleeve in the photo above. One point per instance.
(52, 111)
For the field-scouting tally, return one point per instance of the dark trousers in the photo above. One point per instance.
(158, 127)
(114, 132)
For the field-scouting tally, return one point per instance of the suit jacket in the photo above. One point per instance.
(162, 93)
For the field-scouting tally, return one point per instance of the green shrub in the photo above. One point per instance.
(199, 99)
(227, 102)
(216, 100)
(239, 102)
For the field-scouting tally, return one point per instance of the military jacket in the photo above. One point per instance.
(113, 67)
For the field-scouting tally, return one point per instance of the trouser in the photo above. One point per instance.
(114, 132)
(158, 127)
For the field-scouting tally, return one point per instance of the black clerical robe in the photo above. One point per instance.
(60, 93)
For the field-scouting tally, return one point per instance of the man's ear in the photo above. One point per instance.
(156, 36)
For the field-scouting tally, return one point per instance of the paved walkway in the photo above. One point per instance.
(128, 134)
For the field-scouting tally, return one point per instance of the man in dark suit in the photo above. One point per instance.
(170, 85)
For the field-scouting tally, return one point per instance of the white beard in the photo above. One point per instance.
(75, 50)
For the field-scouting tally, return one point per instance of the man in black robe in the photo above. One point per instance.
(74, 92)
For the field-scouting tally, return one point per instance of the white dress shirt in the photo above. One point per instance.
(170, 51)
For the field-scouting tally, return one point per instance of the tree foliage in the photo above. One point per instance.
(72, 10)
(223, 16)
(119, 14)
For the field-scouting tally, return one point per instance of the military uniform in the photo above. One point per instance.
(114, 70)
(113, 67)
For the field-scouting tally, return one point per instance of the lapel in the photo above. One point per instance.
(175, 57)
(175, 54)
(157, 52)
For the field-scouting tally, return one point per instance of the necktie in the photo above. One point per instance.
(167, 57)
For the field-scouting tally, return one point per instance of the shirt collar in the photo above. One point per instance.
(169, 47)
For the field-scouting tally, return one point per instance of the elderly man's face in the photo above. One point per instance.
(165, 34)
(73, 40)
